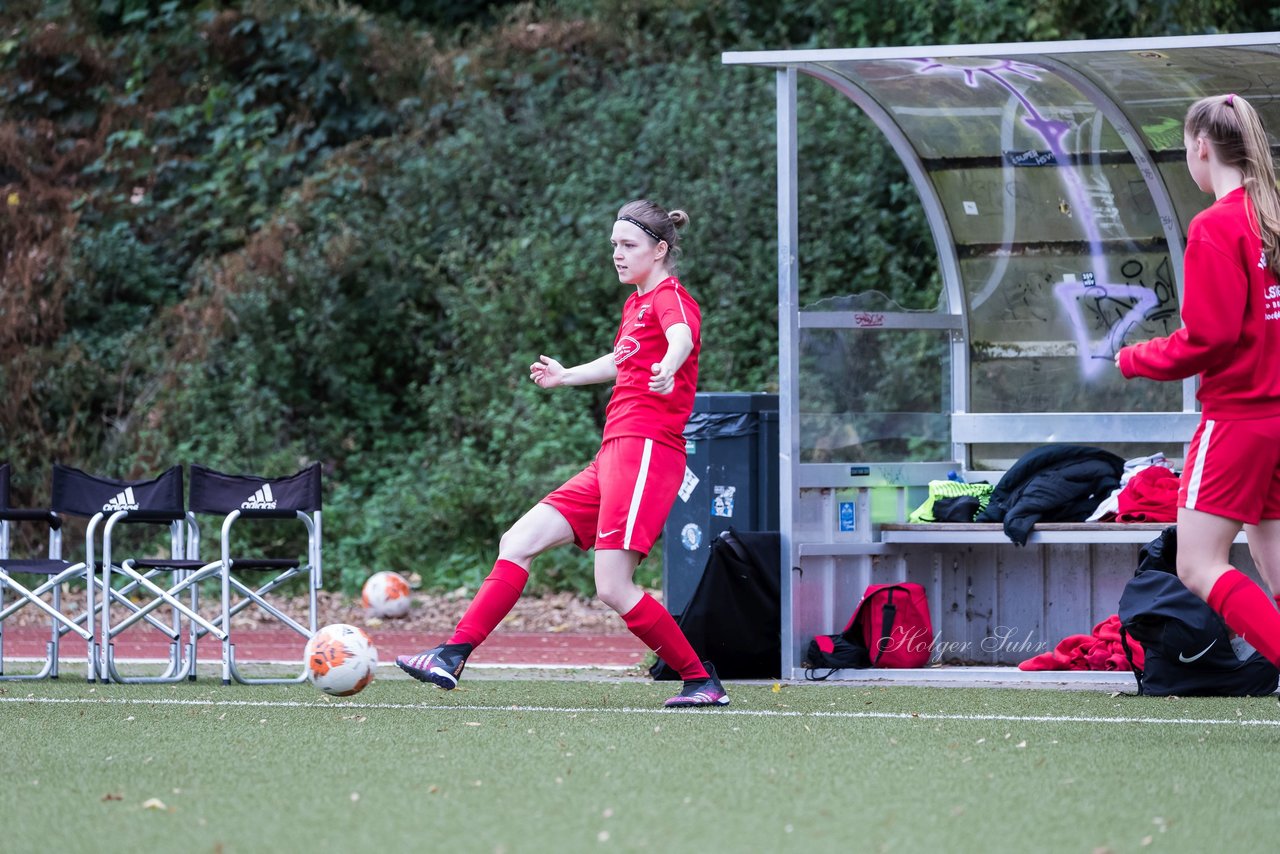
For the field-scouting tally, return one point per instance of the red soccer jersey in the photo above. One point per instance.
(641, 341)
(1230, 319)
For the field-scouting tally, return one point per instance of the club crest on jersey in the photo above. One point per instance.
(1262, 260)
(625, 349)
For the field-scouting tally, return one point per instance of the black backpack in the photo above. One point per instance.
(1188, 649)
(735, 616)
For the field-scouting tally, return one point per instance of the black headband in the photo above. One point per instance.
(640, 225)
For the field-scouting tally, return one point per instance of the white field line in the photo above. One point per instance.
(758, 713)
(214, 662)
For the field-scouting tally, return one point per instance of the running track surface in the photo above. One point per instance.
(564, 649)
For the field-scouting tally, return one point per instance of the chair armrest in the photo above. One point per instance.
(31, 514)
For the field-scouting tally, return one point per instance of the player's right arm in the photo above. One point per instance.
(1212, 317)
(548, 373)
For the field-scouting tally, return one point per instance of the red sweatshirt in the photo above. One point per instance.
(1230, 331)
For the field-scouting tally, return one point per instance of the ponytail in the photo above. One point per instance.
(1235, 130)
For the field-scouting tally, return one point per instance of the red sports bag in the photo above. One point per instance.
(890, 627)
(892, 621)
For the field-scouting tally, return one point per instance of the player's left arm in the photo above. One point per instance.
(679, 346)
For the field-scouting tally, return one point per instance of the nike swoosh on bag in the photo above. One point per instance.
(1185, 660)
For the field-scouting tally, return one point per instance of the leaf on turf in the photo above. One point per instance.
(777, 687)
(113, 796)
(153, 804)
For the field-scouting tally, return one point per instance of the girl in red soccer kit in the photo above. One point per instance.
(1231, 338)
(619, 503)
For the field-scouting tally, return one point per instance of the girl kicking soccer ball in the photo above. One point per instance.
(619, 503)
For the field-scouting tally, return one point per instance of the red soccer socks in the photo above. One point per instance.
(650, 622)
(494, 600)
(1248, 612)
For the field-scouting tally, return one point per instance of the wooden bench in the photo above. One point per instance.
(1043, 532)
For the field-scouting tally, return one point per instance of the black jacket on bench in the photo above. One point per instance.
(1053, 483)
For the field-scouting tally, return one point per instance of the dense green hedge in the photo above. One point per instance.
(261, 233)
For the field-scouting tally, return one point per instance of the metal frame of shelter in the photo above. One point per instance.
(1053, 179)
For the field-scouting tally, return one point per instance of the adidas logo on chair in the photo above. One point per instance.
(260, 500)
(122, 501)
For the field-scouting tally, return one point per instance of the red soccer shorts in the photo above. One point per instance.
(621, 500)
(1233, 470)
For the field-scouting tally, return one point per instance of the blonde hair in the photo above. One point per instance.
(660, 222)
(1234, 129)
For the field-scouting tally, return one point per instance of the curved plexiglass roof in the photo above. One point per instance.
(1053, 175)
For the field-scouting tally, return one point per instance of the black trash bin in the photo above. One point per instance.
(732, 480)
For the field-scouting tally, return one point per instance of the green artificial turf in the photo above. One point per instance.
(590, 765)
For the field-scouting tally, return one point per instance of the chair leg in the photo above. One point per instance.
(53, 642)
(59, 622)
(255, 596)
(226, 624)
(194, 636)
(183, 631)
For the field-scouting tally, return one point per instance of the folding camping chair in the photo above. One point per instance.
(57, 573)
(155, 502)
(250, 497)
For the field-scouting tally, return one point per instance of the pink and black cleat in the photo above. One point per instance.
(701, 692)
(441, 666)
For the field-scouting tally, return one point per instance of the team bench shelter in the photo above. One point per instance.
(1053, 179)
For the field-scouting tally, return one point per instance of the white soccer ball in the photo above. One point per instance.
(341, 660)
(386, 594)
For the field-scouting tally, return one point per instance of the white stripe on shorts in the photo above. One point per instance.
(638, 492)
(1193, 484)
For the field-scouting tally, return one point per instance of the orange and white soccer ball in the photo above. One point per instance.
(341, 660)
(386, 594)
